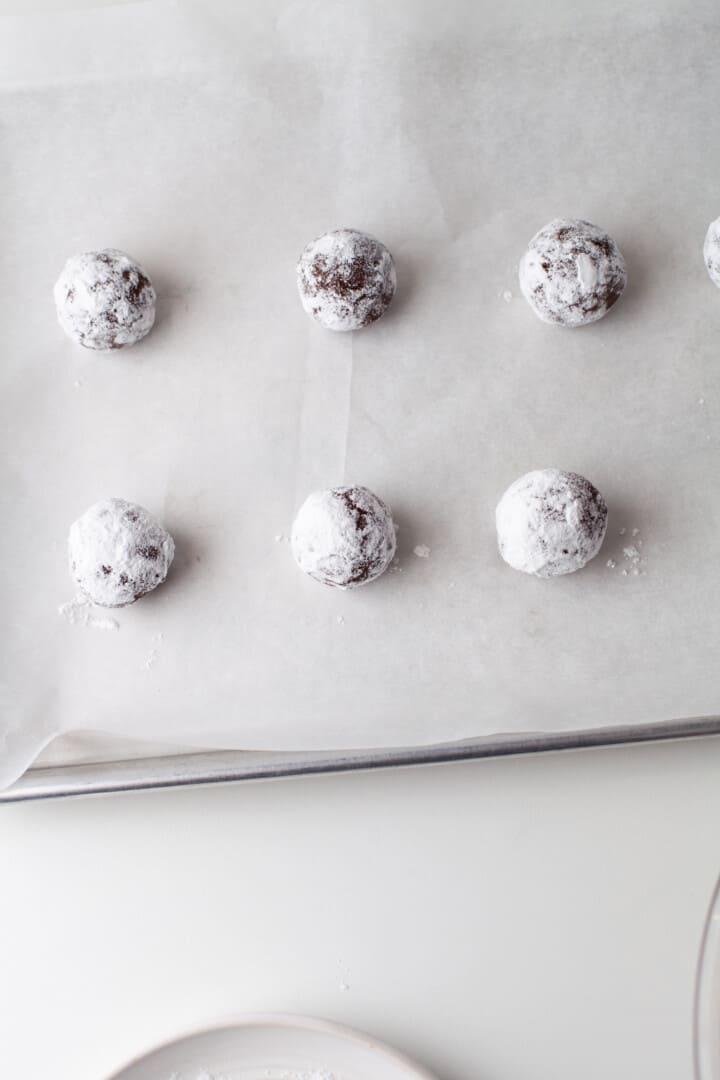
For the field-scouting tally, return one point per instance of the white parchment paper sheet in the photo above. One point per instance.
(212, 143)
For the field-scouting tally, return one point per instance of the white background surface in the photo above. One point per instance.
(525, 919)
(512, 920)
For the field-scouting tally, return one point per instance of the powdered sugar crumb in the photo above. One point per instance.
(632, 556)
(422, 551)
(341, 620)
(507, 296)
(79, 612)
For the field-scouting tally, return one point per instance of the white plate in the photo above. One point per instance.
(274, 1048)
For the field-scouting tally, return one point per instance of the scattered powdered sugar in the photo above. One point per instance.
(346, 279)
(507, 296)
(632, 557)
(422, 551)
(344, 986)
(550, 522)
(572, 273)
(344, 537)
(341, 620)
(79, 612)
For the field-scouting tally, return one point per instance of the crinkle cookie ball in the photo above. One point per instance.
(550, 522)
(711, 251)
(118, 552)
(104, 300)
(343, 537)
(346, 279)
(572, 273)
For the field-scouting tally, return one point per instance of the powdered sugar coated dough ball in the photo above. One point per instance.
(572, 273)
(118, 552)
(346, 279)
(104, 300)
(711, 251)
(343, 537)
(550, 522)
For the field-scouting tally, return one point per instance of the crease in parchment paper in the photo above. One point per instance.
(325, 415)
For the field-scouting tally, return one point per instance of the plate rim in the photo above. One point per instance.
(299, 1021)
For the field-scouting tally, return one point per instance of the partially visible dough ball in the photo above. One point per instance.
(343, 537)
(118, 552)
(104, 300)
(550, 522)
(711, 251)
(572, 273)
(346, 279)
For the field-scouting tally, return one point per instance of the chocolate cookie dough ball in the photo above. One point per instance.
(572, 273)
(104, 300)
(711, 251)
(343, 537)
(346, 279)
(550, 522)
(118, 552)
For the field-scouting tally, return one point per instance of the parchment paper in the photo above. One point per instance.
(212, 143)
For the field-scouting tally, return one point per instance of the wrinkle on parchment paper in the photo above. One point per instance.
(325, 415)
(20, 741)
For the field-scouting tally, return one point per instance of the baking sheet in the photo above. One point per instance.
(212, 143)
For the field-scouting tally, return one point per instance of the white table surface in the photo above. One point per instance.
(519, 919)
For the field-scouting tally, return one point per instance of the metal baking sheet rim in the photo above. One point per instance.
(229, 766)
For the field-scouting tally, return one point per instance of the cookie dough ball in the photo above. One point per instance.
(118, 552)
(572, 273)
(104, 300)
(346, 279)
(550, 522)
(711, 251)
(343, 537)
